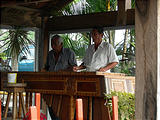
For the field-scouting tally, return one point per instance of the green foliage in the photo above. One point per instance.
(128, 64)
(98, 6)
(3, 56)
(126, 105)
(77, 42)
(88, 6)
(133, 3)
(127, 68)
(16, 41)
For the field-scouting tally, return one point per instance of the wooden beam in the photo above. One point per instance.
(77, 22)
(24, 2)
(147, 27)
(24, 8)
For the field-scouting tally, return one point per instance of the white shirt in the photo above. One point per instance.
(105, 54)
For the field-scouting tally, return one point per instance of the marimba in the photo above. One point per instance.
(60, 90)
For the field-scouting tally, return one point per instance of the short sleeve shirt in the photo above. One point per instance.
(105, 54)
(65, 60)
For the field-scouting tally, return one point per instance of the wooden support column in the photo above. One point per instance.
(45, 42)
(147, 25)
(158, 64)
(123, 5)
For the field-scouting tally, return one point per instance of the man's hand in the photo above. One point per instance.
(102, 70)
(75, 68)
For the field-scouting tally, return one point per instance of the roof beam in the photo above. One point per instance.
(11, 3)
(25, 8)
(88, 21)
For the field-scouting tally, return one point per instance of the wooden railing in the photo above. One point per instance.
(65, 87)
(120, 82)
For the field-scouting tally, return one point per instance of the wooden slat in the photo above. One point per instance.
(20, 106)
(23, 105)
(90, 108)
(27, 101)
(30, 99)
(14, 105)
(71, 107)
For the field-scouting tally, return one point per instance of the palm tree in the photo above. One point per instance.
(14, 43)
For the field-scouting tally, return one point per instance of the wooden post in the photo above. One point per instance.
(79, 109)
(90, 108)
(45, 41)
(14, 105)
(20, 106)
(71, 108)
(7, 104)
(123, 5)
(147, 28)
(115, 107)
(37, 103)
(30, 99)
(23, 105)
(33, 113)
(27, 101)
(0, 108)
(158, 64)
(59, 105)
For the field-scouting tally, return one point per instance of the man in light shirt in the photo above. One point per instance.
(99, 56)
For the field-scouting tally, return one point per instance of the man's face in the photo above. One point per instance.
(97, 37)
(55, 45)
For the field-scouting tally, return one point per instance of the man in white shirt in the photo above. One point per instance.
(99, 56)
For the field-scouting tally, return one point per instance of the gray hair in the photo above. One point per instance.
(60, 40)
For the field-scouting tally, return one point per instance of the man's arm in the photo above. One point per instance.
(108, 67)
(72, 61)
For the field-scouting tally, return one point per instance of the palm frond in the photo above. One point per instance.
(16, 42)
